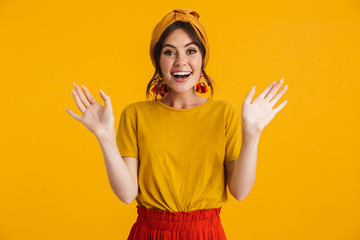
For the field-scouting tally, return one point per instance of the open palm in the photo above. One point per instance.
(97, 118)
(258, 113)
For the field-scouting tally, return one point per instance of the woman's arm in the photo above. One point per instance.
(255, 116)
(122, 171)
(241, 172)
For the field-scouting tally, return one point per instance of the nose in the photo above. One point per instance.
(180, 59)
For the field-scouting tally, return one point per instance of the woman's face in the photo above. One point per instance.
(180, 61)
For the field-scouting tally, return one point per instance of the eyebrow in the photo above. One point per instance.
(169, 45)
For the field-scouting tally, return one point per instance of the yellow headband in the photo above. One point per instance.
(184, 15)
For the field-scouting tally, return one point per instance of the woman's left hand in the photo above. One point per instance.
(258, 113)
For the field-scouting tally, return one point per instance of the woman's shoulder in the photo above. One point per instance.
(225, 104)
(138, 105)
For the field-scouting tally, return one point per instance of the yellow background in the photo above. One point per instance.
(53, 180)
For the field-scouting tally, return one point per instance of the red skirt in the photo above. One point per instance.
(157, 224)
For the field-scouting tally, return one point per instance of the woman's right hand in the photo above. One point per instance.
(98, 119)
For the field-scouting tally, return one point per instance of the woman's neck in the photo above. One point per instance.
(182, 100)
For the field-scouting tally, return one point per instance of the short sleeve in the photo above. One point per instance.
(126, 136)
(232, 133)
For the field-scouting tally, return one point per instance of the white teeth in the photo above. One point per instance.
(181, 73)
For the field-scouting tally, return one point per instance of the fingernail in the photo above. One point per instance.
(83, 86)
(74, 84)
(102, 91)
(72, 90)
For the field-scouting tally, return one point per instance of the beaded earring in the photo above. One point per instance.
(201, 87)
(160, 86)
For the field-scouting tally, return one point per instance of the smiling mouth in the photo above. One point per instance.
(181, 77)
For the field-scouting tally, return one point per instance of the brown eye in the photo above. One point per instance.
(167, 52)
(192, 51)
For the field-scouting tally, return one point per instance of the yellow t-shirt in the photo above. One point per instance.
(181, 152)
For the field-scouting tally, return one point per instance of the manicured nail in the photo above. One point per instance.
(74, 84)
(102, 92)
(83, 86)
(72, 90)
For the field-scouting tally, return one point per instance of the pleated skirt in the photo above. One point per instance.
(154, 224)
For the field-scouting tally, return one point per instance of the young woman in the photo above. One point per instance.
(176, 155)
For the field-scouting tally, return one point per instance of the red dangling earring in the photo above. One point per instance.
(201, 87)
(160, 86)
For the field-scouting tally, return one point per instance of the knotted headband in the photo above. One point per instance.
(184, 15)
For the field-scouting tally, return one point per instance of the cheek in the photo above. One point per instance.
(165, 64)
(197, 63)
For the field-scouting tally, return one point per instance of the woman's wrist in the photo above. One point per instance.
(106, 134)
(250, 132)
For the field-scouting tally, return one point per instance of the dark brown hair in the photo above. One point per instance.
(158, 47)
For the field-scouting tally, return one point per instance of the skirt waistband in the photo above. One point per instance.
(167, 220)
(199, 214)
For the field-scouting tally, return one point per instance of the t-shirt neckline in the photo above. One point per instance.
(184, 109)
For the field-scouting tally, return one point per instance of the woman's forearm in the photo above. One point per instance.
(119, 176)
(243, 176)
